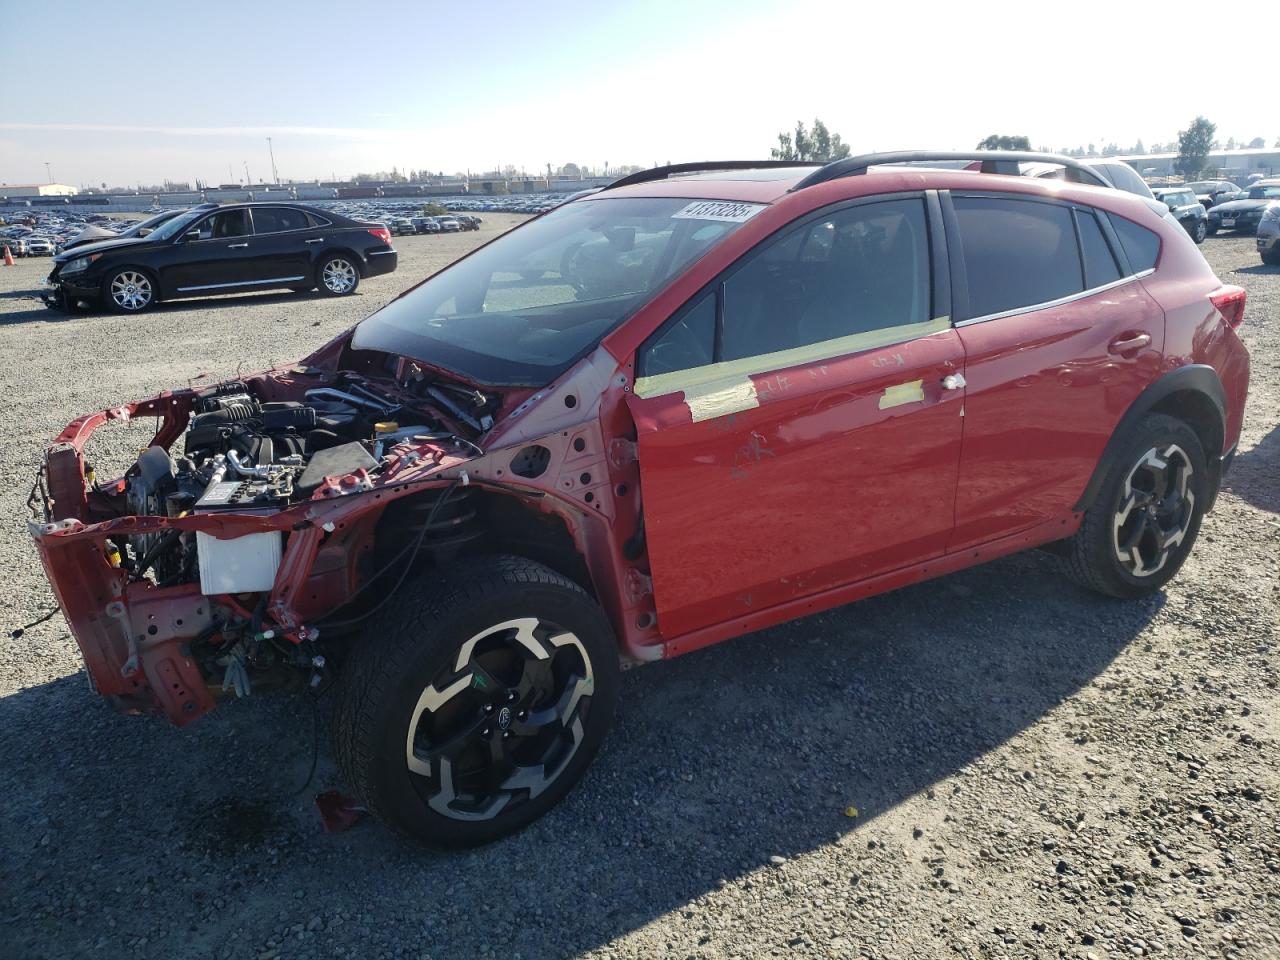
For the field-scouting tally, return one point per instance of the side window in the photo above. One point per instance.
(1099, 264)
(686, 343)
(278, 219)
(1141, 246)
(228, 223)
(864, 269)
(859, 270)
(315, 220)
(1017, 253)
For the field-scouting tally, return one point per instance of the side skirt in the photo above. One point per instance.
(1038, 535)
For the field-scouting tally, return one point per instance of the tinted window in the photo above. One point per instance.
(1141, 246)
(859, 270)
(1017, 253)
(278, 219)
(1099, 265)
(228, 223)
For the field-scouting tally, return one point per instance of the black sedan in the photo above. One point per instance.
(1244, 215)
(1186, 209)
(214, 249)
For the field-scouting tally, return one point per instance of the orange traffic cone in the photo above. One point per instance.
(8, 257)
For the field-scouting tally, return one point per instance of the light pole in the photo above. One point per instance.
(48, 171)
(275, 177)
(247, 181)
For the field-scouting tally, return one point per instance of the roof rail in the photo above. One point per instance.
(993, 161)
(673, 169)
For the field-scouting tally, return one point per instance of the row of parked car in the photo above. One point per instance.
(408, 226)
(1255, 210)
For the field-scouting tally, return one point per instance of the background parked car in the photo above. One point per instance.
(1211, 192)
(1269, 235)
(1186, 209)
(1245, 215)
(92, 233)
(40, 247)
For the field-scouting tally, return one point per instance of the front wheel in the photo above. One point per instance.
(337, 276)
(1272, 258)
(1211, 231)
(1145, 518)
(1199, 232)
(476, 701)
(129, 291)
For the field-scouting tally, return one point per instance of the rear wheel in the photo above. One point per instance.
(476, 702)
(1144, 521)
(337, 275)
(1271, 258)
(129, 290)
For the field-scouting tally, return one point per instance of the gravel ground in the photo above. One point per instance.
(995, 764)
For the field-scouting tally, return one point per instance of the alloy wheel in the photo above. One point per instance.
(1156, 509)
(339, 276)
(503, 721)
(131, 290)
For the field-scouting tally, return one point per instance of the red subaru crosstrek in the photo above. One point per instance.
(704, 400)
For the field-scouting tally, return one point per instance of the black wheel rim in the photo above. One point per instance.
(500, 724)
(1155, 512)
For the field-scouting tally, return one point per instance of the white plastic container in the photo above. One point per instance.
(243, 565)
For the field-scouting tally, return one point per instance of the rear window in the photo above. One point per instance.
(1017, 253)
(1141, 246)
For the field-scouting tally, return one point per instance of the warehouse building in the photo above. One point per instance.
(1237, 165)
(37, 190)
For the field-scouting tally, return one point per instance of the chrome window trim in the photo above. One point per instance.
(1031, 308)
(240, 283)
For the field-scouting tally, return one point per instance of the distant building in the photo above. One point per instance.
(1235, 165)
(37, 190)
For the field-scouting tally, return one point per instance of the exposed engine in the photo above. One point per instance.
(245, 455)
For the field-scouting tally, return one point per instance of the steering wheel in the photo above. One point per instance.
(569, 267)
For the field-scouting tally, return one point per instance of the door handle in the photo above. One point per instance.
(953, 381)
(237, 246)
(316, 240)
(1129, 342)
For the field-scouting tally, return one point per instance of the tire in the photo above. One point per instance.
(1145, 518)
(1272, 259)
(1199, 232)
(482, 649)
(129, 290)
(1210, 231)
(338, 275)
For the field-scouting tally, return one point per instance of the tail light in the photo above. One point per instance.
(383, 234)
(1229, 301)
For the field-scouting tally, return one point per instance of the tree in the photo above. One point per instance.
(1194, 144)
(571, 170)
(1231, 143)
(816, 144)
(1138, 148)
(1002, 142)
(1257, 143)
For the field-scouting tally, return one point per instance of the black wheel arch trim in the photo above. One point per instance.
(1193, 378)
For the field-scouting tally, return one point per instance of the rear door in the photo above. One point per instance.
(284, 241)
(796, 430)
(1060, 337)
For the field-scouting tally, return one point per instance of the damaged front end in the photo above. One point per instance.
(260, 509)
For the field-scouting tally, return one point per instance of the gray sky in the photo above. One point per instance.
(193, 90)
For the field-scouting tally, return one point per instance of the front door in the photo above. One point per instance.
(214, 256)
(799, 421)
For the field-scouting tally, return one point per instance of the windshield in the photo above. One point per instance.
(1265, 193)
(175, 226)
(147, 224)
(524, 308)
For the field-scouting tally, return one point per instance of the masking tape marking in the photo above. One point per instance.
(896, 396)
(721, 398)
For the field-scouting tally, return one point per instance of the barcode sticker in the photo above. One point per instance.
(727, 210)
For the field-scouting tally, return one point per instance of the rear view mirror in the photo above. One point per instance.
(190, 235)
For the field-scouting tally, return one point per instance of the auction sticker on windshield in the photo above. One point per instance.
(726, 210)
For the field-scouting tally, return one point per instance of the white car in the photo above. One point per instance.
(40, 247)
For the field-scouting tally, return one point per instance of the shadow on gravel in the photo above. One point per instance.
(1261, 268)
(117, 828)
(1255, 474)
